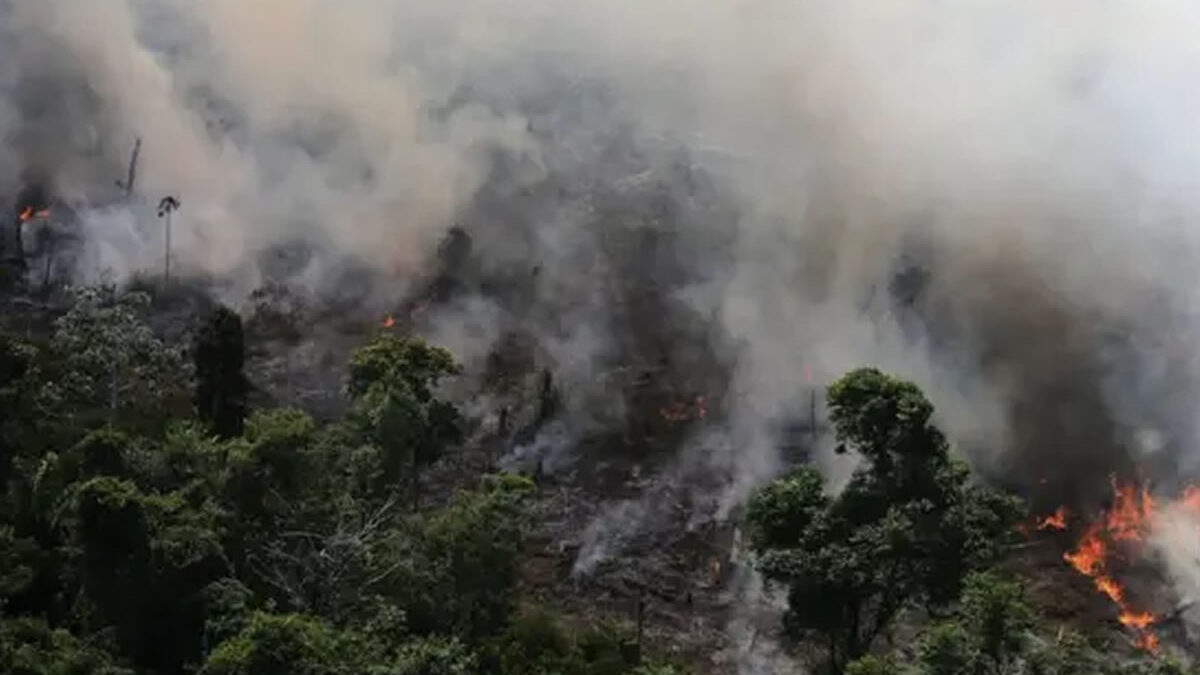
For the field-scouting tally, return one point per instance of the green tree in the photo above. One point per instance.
(290, 644)
(533, 644)
(1069, 654)
(221, 386)
(873, 665)
(435, 656)
(460, 575)
(114, 541)
(109, 361)
(606, 649)
(18, 413)
(144, 561)
(278, 492)
(995, 614)
(30, 647)
(393, 382)
(907, 528)
(947, 649)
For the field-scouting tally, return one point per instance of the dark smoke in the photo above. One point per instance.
(669, 201)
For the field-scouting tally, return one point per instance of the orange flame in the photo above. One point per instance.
(389, 322)
(1136, 620)
(1132, 515)
(1054, 521)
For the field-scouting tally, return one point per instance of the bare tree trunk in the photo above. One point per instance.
(167, 252)
(131, 177)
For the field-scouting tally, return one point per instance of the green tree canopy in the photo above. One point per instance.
(393, 381)
(907, 528)
(107, 360)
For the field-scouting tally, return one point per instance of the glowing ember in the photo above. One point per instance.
(389, 322)
(684, 411)
(28, 214)
(1147, 641)
(1054, 521)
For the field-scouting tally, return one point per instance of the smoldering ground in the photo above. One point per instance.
(995, 198)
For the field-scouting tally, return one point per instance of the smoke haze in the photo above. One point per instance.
(996, 198)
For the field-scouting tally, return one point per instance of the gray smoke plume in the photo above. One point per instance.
(992, 197)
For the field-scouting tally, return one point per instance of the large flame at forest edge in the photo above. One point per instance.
(1121, 531)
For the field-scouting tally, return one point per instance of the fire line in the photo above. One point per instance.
(1133, 515)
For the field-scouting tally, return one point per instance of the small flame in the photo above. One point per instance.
(1147, 641)
(1191, 498)
(1114, 592)
(1054, 521)
(28, 214)
(389, 322)
(1129, 515)
(1136, 620)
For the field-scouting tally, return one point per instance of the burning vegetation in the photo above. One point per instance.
(641, 263)
(1115, 543)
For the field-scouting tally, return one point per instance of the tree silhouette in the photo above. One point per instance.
(166, 207)
(221, 386)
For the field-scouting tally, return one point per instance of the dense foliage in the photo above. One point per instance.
(151, 521)
(141, 534)
(906, 529)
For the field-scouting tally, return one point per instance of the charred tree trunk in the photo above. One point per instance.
(131, 175)
(547, 398)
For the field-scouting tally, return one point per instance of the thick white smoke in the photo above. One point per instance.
(1035, 159)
